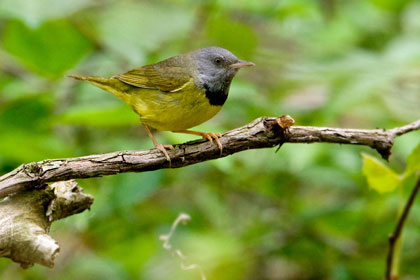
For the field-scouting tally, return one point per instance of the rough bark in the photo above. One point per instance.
(261, 133)
(32, 205)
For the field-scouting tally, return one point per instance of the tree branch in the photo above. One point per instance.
(261, 133)
(406, 128)
(25, 219)
(32, 205)
(395, 236)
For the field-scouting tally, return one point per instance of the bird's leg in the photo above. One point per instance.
(158, 146)
(206, 135)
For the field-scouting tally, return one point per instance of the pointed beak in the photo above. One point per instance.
(241, 64)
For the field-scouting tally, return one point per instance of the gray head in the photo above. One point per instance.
(216, 69)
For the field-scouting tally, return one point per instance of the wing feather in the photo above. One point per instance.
(170, 75)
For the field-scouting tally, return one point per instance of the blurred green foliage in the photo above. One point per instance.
(380, 177)
(302, 213)
(49, 50)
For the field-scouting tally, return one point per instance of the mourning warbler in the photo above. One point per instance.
(177, 93)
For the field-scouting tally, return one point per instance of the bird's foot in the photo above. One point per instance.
(163, 149)
(206, 135)
(168, 146)
(210, 136)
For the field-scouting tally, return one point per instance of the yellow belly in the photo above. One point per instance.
(173, 111)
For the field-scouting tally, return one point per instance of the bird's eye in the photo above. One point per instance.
(218, 60)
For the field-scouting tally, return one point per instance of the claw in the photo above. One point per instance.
(162, 148)
(215, 136)
(168, 146)
(209, 136)
(158, 146)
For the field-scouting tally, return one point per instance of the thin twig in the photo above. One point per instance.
(263, 132)
(166, 238)
(406, 128)
(394, 237)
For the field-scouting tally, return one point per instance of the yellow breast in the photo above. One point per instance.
(173, 111)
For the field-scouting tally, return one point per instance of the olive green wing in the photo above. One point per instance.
(169, 75)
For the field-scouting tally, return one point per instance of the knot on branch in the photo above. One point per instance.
(383, 147)
(278, 127)
(69, 200)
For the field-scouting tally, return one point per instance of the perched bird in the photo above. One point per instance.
(177, 93)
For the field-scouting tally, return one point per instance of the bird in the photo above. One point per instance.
(177, 93)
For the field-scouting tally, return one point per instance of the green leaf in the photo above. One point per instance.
(413, 161)
(49, 50)
(379, 177)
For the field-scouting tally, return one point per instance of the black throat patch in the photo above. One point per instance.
(216, 97)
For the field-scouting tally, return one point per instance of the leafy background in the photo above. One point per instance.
(305, 212)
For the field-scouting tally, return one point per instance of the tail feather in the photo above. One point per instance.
(111, 85)
(77, 77)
